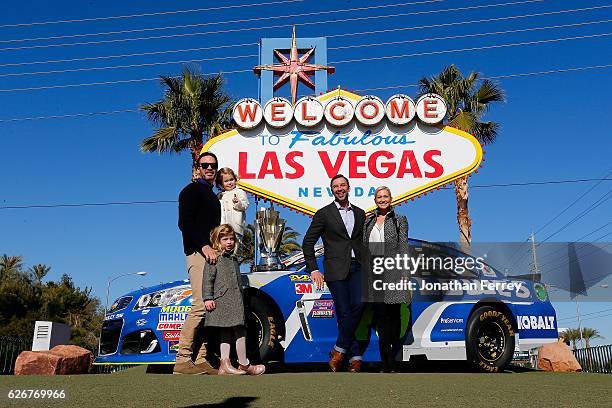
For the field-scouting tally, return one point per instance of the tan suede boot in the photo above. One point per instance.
(187, 367)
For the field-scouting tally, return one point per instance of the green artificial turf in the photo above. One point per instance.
(135, 388)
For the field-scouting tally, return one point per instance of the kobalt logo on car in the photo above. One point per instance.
(536, 322)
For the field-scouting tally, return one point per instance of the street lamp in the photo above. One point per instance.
(111, 279)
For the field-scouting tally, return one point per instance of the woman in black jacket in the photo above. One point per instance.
(386, 233)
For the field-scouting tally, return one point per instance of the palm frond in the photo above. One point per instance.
(486, 132)
(164, 140)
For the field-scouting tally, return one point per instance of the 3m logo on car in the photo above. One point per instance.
(303, 288)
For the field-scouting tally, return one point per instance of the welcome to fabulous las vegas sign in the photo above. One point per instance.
(287, 152)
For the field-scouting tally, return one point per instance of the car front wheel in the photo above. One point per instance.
(262, 330)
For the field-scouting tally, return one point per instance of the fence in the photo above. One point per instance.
(10, 347)
(596, 359)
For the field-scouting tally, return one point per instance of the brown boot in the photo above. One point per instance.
(207, 368)
(335, 359)
(355, 366)
(226, 368)
(251, 369)
(187, 367)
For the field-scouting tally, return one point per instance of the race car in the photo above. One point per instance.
(290, 320)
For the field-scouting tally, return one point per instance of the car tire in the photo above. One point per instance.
(490, 339)
(262, 330)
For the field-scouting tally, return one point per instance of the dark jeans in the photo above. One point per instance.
(387, 318)
(347, 302)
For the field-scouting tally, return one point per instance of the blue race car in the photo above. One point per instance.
(291, 321)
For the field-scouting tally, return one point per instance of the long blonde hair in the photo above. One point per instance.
(223, 230)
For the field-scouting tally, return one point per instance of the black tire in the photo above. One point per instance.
(263, 326)
(490, 339)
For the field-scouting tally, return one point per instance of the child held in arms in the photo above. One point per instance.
(224, 302)
(234, 202)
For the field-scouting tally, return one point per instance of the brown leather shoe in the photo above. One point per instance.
(355, 366)
(335, 359)
(207, 368)
(187, 367)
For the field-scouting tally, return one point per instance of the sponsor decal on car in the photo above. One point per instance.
(141, 322)
(176, 309)
(306, 288)
(456, 321)
(451, 320)
(322, 308)
(536, 322)
(299, 278)
(114, 316)
(169, 326)
(172, 317)
(171, 335)
(173, 346)
(163, 298)
(540, 291)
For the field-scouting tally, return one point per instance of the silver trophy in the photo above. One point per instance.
(269, 230)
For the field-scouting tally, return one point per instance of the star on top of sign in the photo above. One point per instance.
(293, 68)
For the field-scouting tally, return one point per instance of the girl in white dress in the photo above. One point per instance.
(234, 202)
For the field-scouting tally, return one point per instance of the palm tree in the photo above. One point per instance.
(287, 247)
(468, 99)
(571, 335)
(194, 109)
(10, 266)
(588, 334)
(246, 252)
(38, 272)
(288, 243)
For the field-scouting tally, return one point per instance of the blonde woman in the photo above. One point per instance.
(224, 303)
(386, 232)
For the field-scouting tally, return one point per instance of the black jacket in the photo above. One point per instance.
(199, 214)
(327, 224)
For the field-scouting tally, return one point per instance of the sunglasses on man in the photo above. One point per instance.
(208, 166)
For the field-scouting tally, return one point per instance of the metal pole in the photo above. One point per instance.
(256, 233)
(107, 293)
(579, 323)
(535, 269)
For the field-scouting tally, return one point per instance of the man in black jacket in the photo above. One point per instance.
(340, 226)
(199, 214)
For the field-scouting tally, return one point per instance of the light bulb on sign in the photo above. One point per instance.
(431, 109)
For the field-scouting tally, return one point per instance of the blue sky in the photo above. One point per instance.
(553, 126)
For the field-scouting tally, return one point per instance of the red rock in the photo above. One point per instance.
(557, 357)
(60, 360)
(36, 363)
